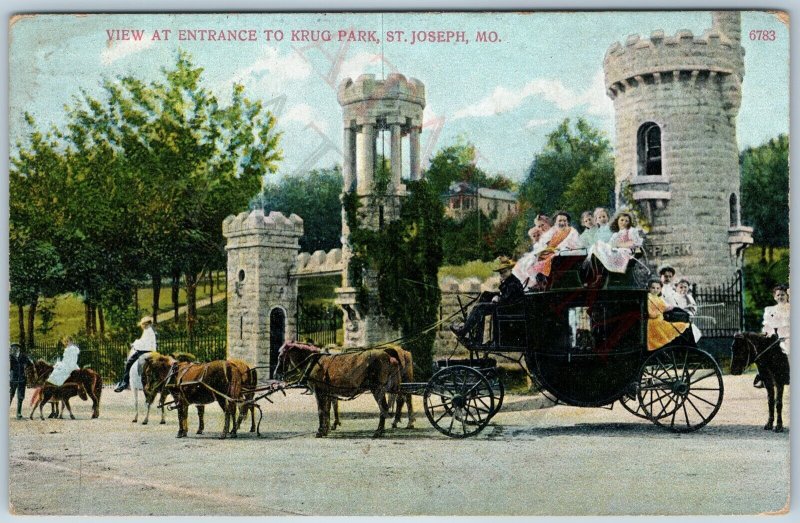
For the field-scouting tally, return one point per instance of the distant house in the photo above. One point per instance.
(463, 198)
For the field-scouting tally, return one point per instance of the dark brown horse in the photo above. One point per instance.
(84, 383)
(344, 375)
(195, 384)
(772, 364)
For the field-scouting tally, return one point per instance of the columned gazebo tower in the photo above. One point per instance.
(371, 108)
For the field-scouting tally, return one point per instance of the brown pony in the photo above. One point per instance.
(773, 367)
(395, 400)
(344, 375)
(84, 383)
(195, 384)
(249, 385)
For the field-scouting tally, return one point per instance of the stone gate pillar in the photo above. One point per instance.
(371, 107)
(261, 253)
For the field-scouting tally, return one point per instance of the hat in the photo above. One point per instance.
(664, 268)
(502, 263)
(145, 320)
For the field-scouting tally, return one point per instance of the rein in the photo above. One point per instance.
(755, 350)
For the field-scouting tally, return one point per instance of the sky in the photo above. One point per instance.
(503, 96)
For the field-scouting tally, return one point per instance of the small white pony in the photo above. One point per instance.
(136, 386)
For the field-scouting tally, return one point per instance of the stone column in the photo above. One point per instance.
(347, 162)
(414, 153)
(397, 155)
(365, 159)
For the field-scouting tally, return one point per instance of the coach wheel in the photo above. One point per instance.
(498, 391)
(680, 388)
(630, 402)
(459, 401)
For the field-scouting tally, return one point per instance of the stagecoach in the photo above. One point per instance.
(583, 339)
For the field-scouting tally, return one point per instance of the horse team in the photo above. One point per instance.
(329, 376)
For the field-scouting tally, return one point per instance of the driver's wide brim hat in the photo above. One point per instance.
(503, 263)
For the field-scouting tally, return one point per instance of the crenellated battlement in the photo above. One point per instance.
(318, 263)
(640, 59)
(257, 222)
(396, 86)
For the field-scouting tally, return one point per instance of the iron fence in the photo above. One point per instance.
(318, 323)
(720, 308)
(108, 357)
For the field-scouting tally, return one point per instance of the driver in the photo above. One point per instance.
(510, 291)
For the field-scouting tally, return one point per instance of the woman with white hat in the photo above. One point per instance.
(146, 343)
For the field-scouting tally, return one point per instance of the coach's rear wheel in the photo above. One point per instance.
(680, 388)
(459, 401)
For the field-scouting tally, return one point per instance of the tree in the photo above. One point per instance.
(315, 198)
(575, 171)
(458, 163)
(765, 193)
(35, 192)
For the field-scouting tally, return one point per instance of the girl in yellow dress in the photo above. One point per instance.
(659, 331)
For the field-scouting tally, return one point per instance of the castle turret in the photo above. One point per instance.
(371, 107)
(676, 99)
(262, 298)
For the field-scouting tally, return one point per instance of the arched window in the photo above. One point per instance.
(648, 145)
(734, 210)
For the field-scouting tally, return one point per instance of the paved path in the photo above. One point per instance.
(528, 461)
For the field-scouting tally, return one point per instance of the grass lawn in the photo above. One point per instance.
(473, 269)
(69, 313)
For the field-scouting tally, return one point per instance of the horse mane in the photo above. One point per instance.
(298, 345)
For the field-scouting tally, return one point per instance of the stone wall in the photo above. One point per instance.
(449, 311)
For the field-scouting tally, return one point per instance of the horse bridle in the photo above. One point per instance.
(755, 350)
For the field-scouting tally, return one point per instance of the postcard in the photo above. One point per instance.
(399, 263)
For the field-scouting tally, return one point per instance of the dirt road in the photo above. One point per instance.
(528, 461)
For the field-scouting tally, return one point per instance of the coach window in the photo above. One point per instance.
(648, 145)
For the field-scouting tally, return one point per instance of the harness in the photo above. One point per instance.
(754, 350)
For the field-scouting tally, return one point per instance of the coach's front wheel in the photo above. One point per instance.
(459, 401)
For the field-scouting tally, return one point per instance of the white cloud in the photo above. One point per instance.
(304, 114)
(537, 122)
(553, 90)
(359, 64)
(273, 69)
(116, 49)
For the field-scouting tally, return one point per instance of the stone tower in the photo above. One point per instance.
(262, 298)
(371, 107)
(676, 99)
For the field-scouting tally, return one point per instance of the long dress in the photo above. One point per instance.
(613, 257)
(539, 259)
(659, 331)
(62, 369)
(776, 319)
(588, 237)
(603, 233)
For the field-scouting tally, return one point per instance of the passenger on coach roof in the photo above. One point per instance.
(561, 237)
(683, 298)
(589, 231)
(603, 231)
(542, 224)
(616, 254)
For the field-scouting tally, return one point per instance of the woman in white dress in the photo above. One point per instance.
(777, 317)
(616, 254)
(541, 225)
(589, 230)
(68, 363)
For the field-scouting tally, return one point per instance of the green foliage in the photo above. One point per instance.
(136, 184)
(759, 279)
(404, 256)
(465, 240)
(315, 198)
(765, 191)
(473, 269)
(575, 171)
(457, 163)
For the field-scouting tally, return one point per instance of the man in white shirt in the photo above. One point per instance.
(668, 292)
(146, 343)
